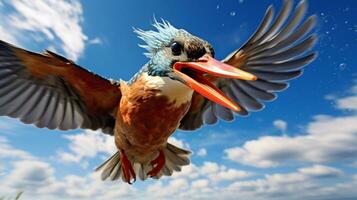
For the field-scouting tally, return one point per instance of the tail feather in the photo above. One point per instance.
(116, 172)
(177, 150)
(110, 167)
(140, 170)
(175, 158)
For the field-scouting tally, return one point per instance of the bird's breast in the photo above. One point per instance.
(176, 92)
(150, 110)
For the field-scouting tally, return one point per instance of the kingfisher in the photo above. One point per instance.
(182, 86)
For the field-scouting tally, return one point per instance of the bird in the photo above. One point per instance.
(182, 86)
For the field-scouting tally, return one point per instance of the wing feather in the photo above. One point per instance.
(276, 52)
(50, 91)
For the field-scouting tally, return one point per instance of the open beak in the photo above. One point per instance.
(193, 75)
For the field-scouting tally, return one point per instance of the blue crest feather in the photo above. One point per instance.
(156, 39)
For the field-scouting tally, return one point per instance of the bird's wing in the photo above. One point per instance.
(50, 91)
(275, 53)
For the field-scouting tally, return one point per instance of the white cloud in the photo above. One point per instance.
(219, 173)
(178, 143)
(229, 174)
(2, 167)
(87, 145)
(9, 152)
(172, 189)
(56, 21)
(190, 171)
(6, 35)
(95, 41)
(26, 172)
(200, 183)
(320, 171)
(30, 175)
(281, 125)
(209, 168)
(212, 171)
(303, 184)
(348, 102)
(202, 152)
(38, 180)
(329, 139)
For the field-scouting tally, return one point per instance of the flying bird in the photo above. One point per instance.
(182, 86)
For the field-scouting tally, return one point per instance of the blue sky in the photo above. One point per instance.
(302, 145)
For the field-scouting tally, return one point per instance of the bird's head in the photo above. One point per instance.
(186, 58)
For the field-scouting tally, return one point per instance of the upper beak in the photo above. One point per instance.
(192, 74)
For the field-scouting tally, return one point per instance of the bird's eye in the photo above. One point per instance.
(212, 51)
(176, 48)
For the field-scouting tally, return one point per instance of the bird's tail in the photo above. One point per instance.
(175, 158)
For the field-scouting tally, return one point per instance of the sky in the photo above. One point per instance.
(301, 146)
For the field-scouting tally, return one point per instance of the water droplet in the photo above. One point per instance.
(241, 1)
(342, 66)
(217, 7)
(232, 13)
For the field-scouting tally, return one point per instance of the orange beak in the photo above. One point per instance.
(192, 73)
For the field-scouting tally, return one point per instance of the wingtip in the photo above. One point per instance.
(314, 55)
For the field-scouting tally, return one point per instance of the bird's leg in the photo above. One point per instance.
(127, 168)
(157, 164)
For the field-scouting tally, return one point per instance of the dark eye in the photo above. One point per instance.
(212, 51)
(176, 48)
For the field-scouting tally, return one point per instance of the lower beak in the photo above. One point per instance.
(193, 75)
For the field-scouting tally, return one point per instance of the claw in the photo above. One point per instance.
(128, 170)
(157, 164)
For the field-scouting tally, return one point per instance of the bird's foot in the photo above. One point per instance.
(157, 164)
(129, 173)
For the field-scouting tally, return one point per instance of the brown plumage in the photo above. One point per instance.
(145, 119)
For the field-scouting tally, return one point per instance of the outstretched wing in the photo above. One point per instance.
(275, 53)
(50, 91)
